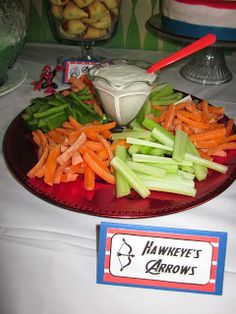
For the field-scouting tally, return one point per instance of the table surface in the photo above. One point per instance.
(48, 255)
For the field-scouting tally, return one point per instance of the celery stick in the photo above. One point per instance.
(186, 98)
(164, 102)
(165, 185)
(172, 96)
(206, 163)
(145, 134)
(157, 152)
(158, 132)
(180, 145)
(150, 170)
(131, 140)
(160, 159)
(138, 128)
(124, 170)
(122, 186)
(145, 150)
(146, 109)
(200, 171)
(134, 149)
(186, 175)
(162, 135)
(168, 167)
(188, 169)
(160, 87)
(134, 124)
(173, 178)
(165, 91)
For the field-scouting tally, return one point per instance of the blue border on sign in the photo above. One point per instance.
(220, 262)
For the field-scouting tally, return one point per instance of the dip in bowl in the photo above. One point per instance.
(122, 86)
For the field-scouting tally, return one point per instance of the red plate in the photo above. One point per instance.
(20, 155)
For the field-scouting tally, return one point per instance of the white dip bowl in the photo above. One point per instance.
(122, 87)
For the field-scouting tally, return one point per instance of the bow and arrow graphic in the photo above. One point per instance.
(125, 255)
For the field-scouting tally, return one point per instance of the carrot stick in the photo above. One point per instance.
(170, 113)
(68, 177)
(208, 135)
(94, 156)
(120, 143)
(42, 137)
(76, 158)
(204, 155)
(65, 92)
(230, 138)
(76, 82)
(68, 125)
(106, 176)
(193, 123)
(94, 146)
(51, 164)
(93, 128)
(180, 106)
(57, 137)
(191, 107)
(71, 150)
(220, 153)
(196, 116)
(229, 127)
(79, 169)
(158, 107)
(63, 131)
(161, 117)
(40, 163)
(206, 144)
(57, 175)
(36, 138)
(205, 112)
(216, 110)
(89, 179)
(40, 173)
(224, 146)
(106, 146)
(74, 122)
(103, 154)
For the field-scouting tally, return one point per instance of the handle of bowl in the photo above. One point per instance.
(197, 45)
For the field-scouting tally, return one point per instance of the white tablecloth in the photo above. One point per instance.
(48, 255)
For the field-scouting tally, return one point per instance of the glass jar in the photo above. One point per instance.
(83, 22)
(12, 34)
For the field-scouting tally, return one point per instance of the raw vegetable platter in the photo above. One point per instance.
(21, 155)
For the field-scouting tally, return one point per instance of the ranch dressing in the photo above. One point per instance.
(123, 89)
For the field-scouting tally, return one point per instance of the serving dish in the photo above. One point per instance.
(21, 154)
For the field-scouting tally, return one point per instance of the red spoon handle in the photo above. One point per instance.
(197, 45)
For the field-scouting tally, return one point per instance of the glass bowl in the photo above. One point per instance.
(122, 86)
(12, 34)
(83, 22)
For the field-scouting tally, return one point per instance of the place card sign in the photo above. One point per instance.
(76, 67)
(161, 258)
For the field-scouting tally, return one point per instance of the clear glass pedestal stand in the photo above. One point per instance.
(208, 66)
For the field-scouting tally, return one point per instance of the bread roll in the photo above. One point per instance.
(73, 27)
(72, 11)
(57, 11)
(96, 11)
(104, 22)
(111, 4)
(59, 2)
(93, 32)
(83, 3)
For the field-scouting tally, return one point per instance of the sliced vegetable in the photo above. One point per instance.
(123, 169)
